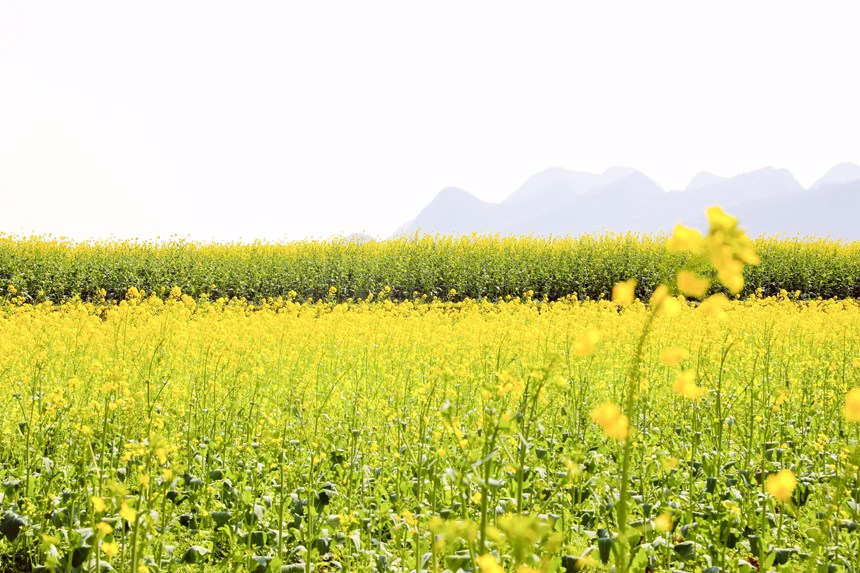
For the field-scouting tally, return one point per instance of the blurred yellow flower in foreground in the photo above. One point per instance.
(609, 417)
(852, 405)
(663, 303)
(674, 356)
(488, 564)
(128, 513)
(692, 285)
(685, 385)
(715, 305)
(624, 292)
(104, 527)
(663, 522)
(685, 239)
(587, 343)
(781, 484)
(720, 220)
(98, 504)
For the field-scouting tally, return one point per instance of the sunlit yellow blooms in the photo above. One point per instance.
(685, 385)
(729, 249)
(609, 417)
(720, 220)
(852, 405)
(685, 239)
(127, 512)
(488, 564)
(624, 292)
(288, 391)
(587, 343)
(663, 522)
(104, 528)
(692, 285)
(730, 273)
(660, 294)
(674, 356)
(110, 548)
(781, 485)
(99, 505)
(663, 303)
(715, 305)
(670, 307)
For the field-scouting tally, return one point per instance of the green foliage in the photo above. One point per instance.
(40, 269)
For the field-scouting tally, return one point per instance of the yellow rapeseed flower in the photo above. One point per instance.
(674, 356)
(488, 564)
(781, 484)
(98, 504)
(614, 423)
(663, 522)
(127, 512)
(685, 239)
(731, 273)
(663, 303)
(587, 343)
(660, 294)
(692, 285)
(852, 405)
(685, 385)
(624, 292)
(720, 220)
(715, 305)
(110, 548)
(104, 527)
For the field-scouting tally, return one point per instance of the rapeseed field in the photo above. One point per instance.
(689, 430)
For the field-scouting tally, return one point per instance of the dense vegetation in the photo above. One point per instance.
(175, 432)
(448, 268)
(187, 435)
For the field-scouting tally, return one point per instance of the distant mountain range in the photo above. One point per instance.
(560, 202)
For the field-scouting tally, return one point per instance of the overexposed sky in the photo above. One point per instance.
(283, 120)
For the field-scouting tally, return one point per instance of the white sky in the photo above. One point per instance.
(279, 120)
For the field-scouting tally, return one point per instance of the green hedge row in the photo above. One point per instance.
(444, 267)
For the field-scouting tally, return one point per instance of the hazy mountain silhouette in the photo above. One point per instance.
(841, 173)
(560, 202)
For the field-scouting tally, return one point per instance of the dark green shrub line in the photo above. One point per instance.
(40, 269)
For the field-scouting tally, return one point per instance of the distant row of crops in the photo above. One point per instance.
(39, 269)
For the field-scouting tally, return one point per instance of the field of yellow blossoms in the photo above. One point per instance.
(680, 433)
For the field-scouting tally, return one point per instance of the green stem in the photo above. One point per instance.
(629, 410)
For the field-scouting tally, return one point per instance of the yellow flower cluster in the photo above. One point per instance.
(137, 375)
(852, 405)
(685, 385)
(781, 484)
(614, 423)
(729, 249)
